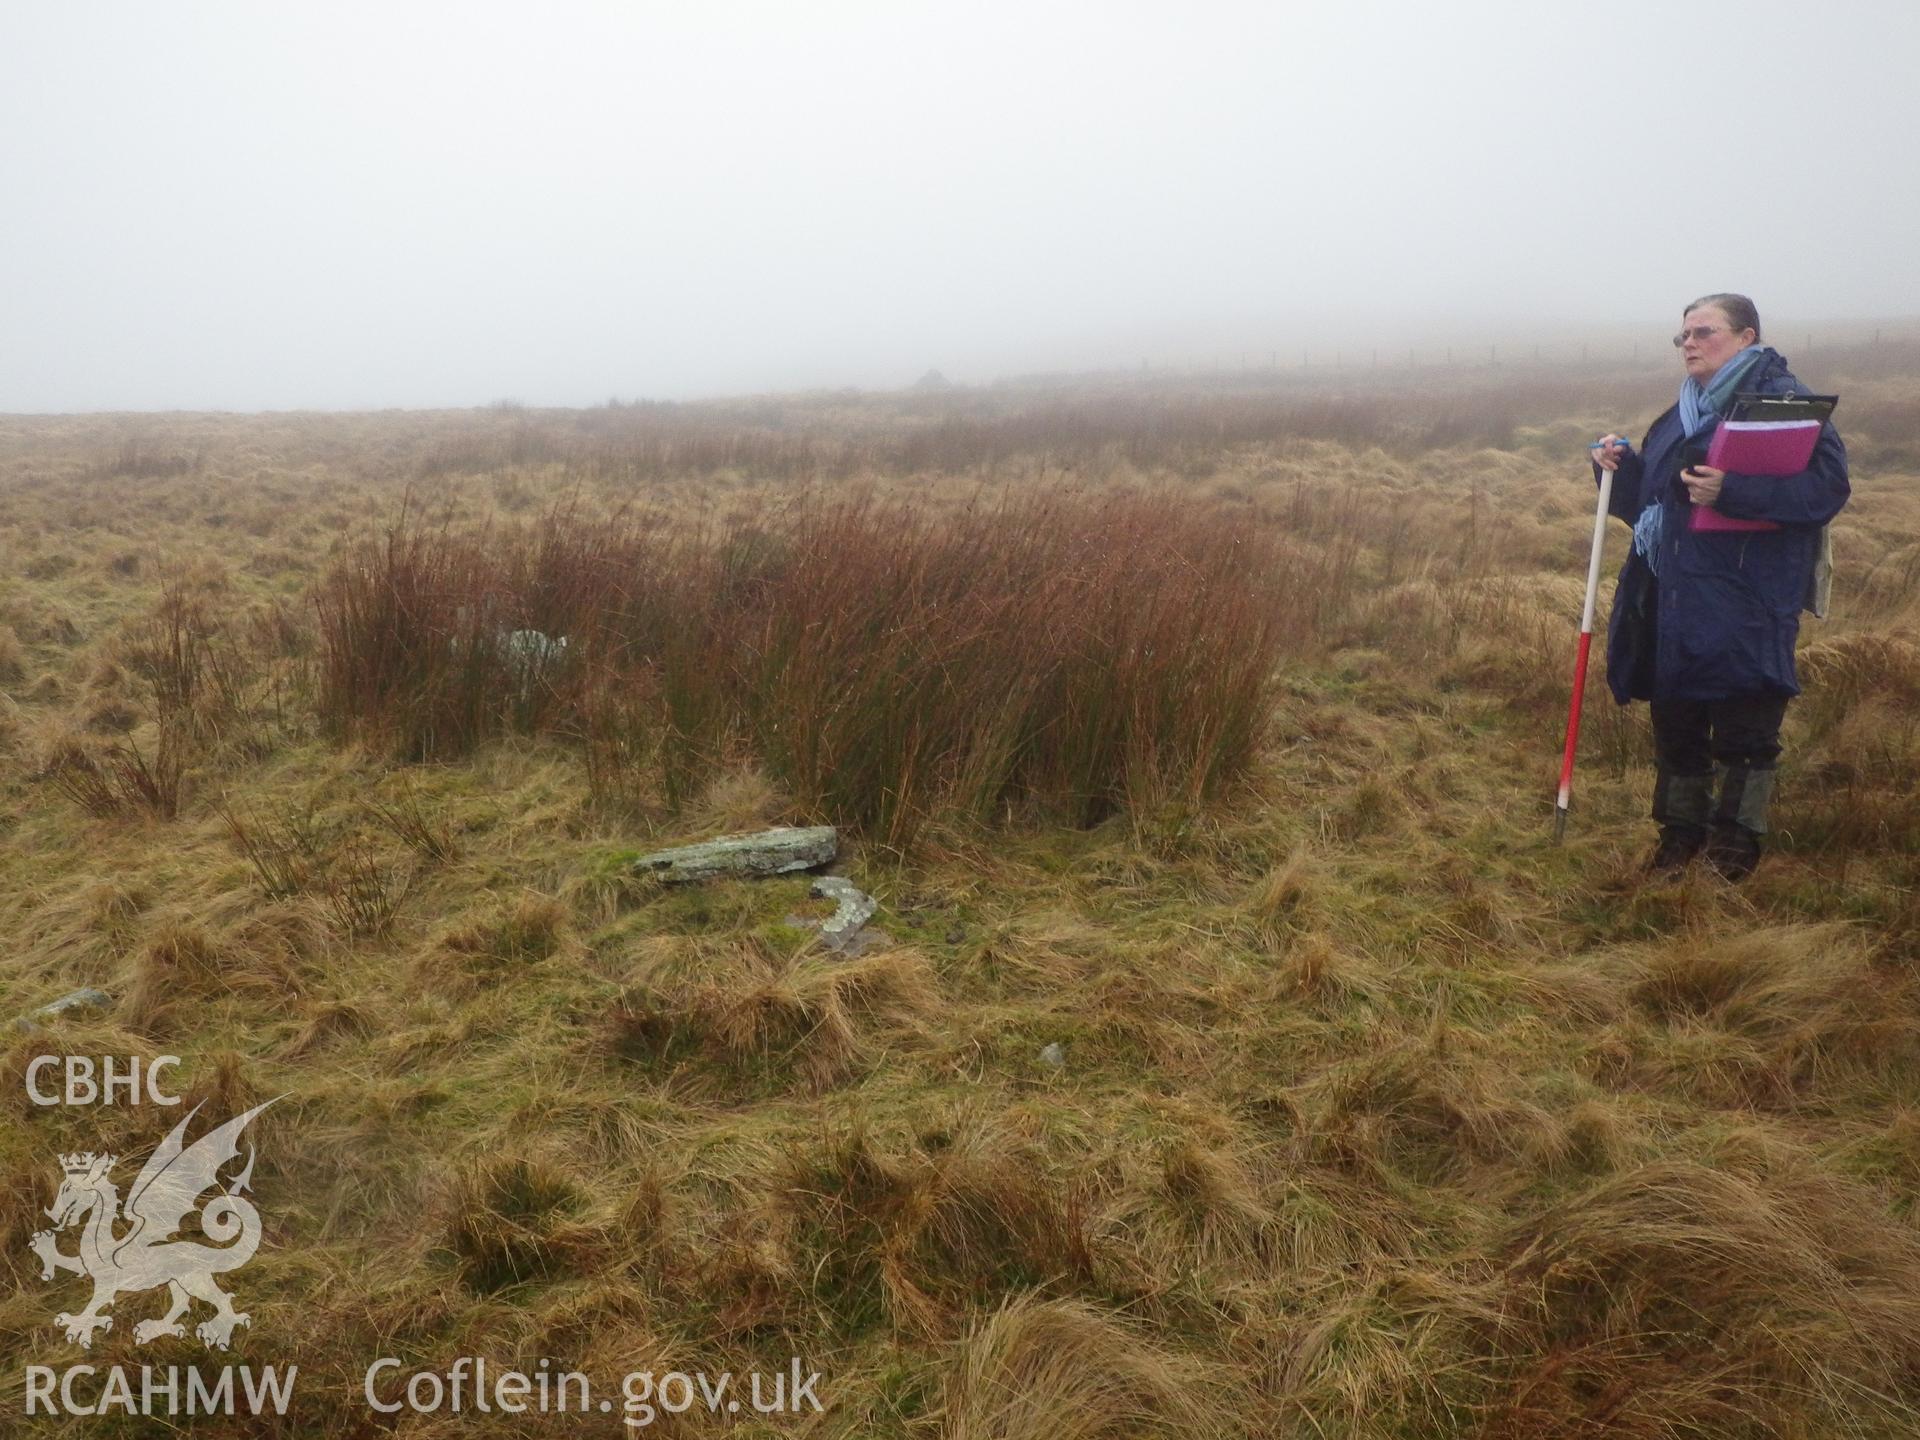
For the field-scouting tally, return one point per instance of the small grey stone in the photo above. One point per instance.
(532, 649)
(766, 852)
(1054, 1056)
(530, 655)
(86, 999)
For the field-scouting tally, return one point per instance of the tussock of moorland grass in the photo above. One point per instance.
(1426, 1111)
(326, 1023)
(1058, 1370)
(1207, 1201)
(184, 966)
(909, 1235)
(1841, 672)
(1859, 788)
(515, 1218)
(1317, 974)
(1378, 1116)
(13, 660)
(285, 941)
(755, 1011)
(1773, 1017)
(1679, 1298)
(1857, 784)
(1791, 1007)
(1282, 899)
(745, 798)
(527, 929)
(90, 924)
(181, 960)
(12, 726)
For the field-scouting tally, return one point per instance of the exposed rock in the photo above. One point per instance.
(87, 999)
(767, 852)
(528, 652)
(854, 908)
(529, 655)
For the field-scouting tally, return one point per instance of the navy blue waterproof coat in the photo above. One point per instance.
(1720, 618)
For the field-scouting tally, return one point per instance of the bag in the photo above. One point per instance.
(1635, 629)
(1820, 582)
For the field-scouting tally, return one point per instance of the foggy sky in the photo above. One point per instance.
(328, 205)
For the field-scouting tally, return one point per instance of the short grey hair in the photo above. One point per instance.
(1739, 311)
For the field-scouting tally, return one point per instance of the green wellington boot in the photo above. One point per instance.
(1737, 832)
(1681, 805)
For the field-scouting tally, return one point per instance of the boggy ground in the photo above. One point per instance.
(1379, 1114)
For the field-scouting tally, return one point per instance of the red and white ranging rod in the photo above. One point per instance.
(1580, 659)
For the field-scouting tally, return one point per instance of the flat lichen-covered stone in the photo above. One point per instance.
(766, 852)
(88, 999)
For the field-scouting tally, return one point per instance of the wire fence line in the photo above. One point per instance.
(1611, 354)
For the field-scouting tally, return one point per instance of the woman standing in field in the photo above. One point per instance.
(1704, 622)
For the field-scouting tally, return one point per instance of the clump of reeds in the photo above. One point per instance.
(408, 821)
(146, 458)
(883, 664)
(284, 847)
(180, 688)
(362, 892)
(123, 777)
(437, 639)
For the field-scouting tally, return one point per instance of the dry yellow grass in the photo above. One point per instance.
(1379, 1116)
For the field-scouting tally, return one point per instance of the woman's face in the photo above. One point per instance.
(1704, 355)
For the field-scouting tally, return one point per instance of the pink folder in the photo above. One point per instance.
(1756, 447)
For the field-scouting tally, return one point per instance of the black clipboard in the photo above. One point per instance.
(1749, 405)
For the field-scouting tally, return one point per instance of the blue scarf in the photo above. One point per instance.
(1700, 406)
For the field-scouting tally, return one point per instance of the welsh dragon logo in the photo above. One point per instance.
(144, 1255)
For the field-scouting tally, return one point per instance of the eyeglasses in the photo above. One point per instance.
(1698, 332)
